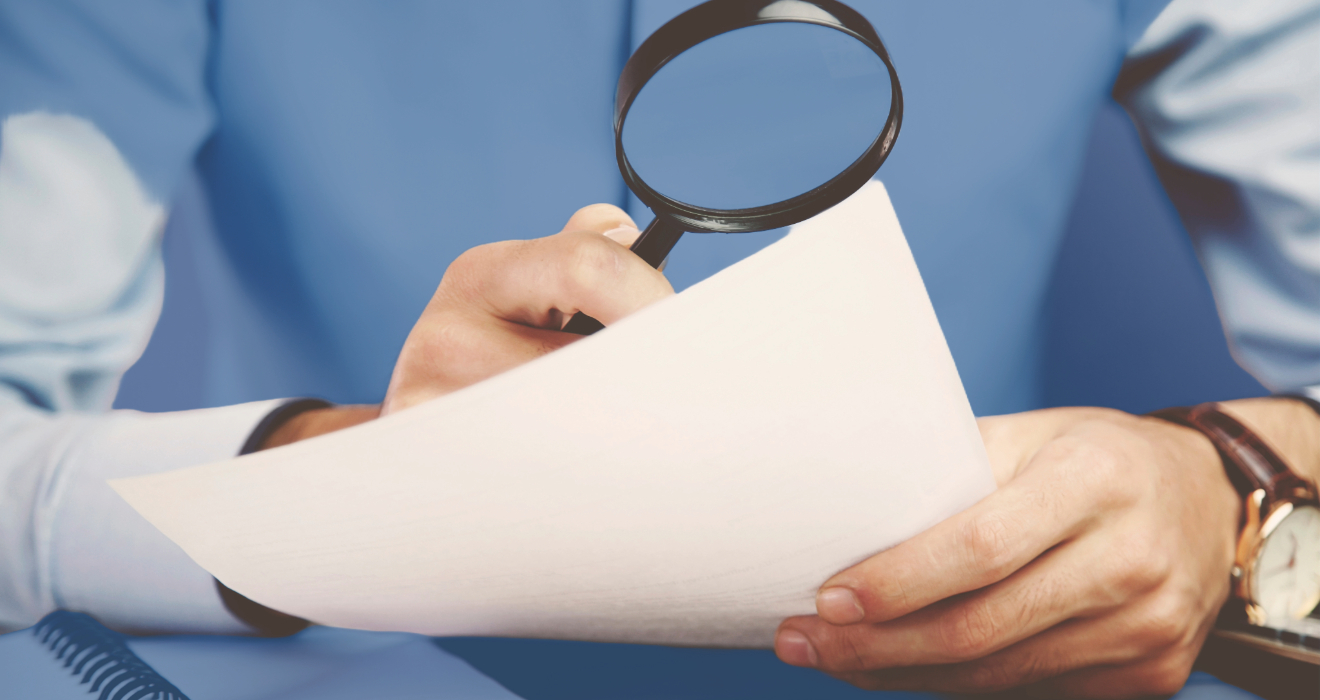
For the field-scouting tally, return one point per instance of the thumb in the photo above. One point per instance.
(606, 219)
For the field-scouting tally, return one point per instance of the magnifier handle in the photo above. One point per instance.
(653, 246)
(657, 240)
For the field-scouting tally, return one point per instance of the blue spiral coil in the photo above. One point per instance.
(103, 659)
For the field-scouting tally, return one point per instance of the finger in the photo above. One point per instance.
(599, 218)
(1165, 624)
(1103, 642)
(1059, 585)
(448, 352)
(606, 219)
(1162, 648)
(623, 235)
(1078, 649)
(1050, 501)
(542, 281)
(1160, 676)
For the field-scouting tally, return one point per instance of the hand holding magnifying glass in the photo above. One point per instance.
(749, 115)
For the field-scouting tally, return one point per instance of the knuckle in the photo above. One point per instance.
(1094, 469)
(1140, 563)
(469, 274)
(1167, 621)
(842, 650)
(1003, 674)
(601, 211)
(988, 541)
(592, 262)
(990, 677)
(1168, 675)
(443, 339)
(852, 656)
(1038, 601)
(468, 258)
(894, 594)
(969, 632)
(1097, 465)
(462, 270)
(440, 354)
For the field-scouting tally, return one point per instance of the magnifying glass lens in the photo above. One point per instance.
(757, 115)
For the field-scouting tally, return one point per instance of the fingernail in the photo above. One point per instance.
(794, 648)
(624, 231)
(839, 606)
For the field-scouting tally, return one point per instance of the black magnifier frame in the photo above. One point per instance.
(706, 21)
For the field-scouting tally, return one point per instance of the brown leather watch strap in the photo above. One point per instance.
(1250, 462)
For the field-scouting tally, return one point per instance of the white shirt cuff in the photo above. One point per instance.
(107, 560)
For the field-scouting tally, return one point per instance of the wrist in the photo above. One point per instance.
(1291, 427)
(294, 421)
(318, 421)
(1218, 493)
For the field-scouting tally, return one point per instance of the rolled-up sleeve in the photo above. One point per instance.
(1226, 96)
(102, 109)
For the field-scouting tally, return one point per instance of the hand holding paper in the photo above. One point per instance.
(689, 476)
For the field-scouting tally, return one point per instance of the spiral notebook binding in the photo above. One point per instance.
(102, 658)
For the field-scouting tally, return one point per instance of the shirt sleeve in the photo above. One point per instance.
(102, 109)
(1226, 96)
(69, 542)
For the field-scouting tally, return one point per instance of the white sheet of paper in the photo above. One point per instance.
(688, 476)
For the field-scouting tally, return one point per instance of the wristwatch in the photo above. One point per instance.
(1276, 571)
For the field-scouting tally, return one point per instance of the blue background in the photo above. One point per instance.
(1130, 323)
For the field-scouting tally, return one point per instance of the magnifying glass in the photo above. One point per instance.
(749, 115)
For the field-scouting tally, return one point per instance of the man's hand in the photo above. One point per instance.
(1096, 569)
(503, 304)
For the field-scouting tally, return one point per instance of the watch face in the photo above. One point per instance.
(1286, 579)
